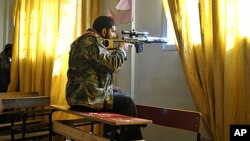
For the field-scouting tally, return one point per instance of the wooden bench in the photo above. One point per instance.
(176, 118)
(90, 118)
(34, 119)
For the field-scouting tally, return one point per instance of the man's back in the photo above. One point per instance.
(4, 72)
(90, 72)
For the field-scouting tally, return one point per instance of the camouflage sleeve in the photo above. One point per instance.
(4, 65)
(105, 61)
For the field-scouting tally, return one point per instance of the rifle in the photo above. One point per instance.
(136, 38)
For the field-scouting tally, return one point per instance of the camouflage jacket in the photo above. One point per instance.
(5, 64)
(90, 71)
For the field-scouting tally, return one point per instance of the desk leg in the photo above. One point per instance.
(24, 126)
(50, 124)
(12, 124)
(92, 127)
(112, 137)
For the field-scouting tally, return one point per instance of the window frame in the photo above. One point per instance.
(168, 33)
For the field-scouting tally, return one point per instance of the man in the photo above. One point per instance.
(5, 62)
(91, 65)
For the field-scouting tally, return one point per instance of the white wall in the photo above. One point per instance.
(6, 22)
(159, 76)
(2, 23)
(123, 79)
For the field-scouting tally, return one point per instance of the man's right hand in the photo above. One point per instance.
(125, 46)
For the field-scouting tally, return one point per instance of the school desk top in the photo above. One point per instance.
(105, 117)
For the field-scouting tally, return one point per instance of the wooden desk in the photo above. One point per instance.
(116, 120)
(175, 118)
(27, 106)
(8, 95)
(8, 99)
(104, 117)
(25, 102)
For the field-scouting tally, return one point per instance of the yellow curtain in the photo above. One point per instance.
(43, 33)
(213, 43)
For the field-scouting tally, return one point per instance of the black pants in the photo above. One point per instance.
(124, 105)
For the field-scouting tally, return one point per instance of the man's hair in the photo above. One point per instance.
(103, 22)
(8, 47)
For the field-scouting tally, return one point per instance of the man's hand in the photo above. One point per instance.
(117, 89)
(125, 46)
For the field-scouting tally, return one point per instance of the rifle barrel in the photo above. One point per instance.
(156, 40)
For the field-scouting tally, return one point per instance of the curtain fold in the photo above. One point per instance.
(43, 32)
(213, 43)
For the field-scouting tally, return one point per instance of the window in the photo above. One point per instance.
(167, 32)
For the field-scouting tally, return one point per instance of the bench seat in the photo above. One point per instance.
(116, 120)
